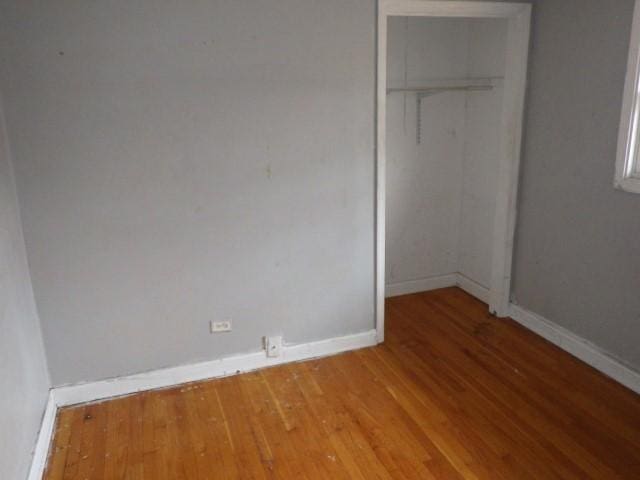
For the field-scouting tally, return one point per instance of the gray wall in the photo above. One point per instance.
(187, 161)
(577, 259)
(24, 380)
(179, 162)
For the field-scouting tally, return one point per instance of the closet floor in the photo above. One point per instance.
(454, 393)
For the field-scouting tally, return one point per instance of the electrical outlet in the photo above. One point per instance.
(273, 346)
(218, 327)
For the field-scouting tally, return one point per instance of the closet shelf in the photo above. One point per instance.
(434, 87)
(439, 89)
(448, 85)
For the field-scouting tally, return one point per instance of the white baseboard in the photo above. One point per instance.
(421, 285)
(41, 451)
(441, 281)
(90, 392)
(577, 346)
(472, 287)
(93, 391)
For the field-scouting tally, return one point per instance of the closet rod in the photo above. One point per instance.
(438, 89)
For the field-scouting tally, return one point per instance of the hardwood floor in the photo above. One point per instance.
(454, 393)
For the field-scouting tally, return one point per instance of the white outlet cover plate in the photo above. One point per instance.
(222, 326)
(273, 346)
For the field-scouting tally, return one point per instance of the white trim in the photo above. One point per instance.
(577, 346)
(510, 139)
(433, 8)
(41, 451)
(518, 16)
(381, 171)
(421, 285)
(627, 172)
(441, 281)
(168, 377)
(472, 287)
(89, 392)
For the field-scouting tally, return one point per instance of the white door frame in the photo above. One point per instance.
(518, 16)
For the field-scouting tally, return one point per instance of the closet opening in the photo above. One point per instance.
(451, 82)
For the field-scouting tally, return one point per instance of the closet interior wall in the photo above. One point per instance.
(441, 183)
